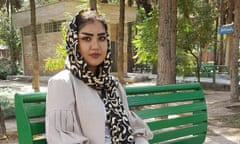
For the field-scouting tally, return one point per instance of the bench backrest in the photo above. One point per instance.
(30, 116)
(183, 120)
(175, 113)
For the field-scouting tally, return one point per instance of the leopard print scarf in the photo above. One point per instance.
(117, 120)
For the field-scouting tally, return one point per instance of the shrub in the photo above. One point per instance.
(7, 68)
(7, 107)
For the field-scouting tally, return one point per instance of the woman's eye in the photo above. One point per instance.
(102, 38)
(86, 38)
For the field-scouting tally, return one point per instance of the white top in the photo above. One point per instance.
(107, 135)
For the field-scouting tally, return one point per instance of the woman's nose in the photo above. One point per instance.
(95, 44)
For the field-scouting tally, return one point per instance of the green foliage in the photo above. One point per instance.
(185, 64)
(195, 29)
(10, 36)
(7, 68)
(57, 62)
(7, 107)
(195, 26)
(146, 39)
(7, 100)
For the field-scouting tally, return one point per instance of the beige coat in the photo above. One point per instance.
(75, 113)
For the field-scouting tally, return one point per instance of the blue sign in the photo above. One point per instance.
(226, 29)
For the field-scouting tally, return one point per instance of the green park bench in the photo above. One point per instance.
(210, 70)
(175, 113)
(142, 68)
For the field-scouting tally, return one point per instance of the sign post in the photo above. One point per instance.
(225, 29)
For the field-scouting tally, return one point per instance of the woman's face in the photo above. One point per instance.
(92, 44)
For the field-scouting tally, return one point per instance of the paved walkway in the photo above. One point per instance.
(219, 132)
(221, 118)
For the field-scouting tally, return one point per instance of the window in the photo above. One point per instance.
(27, 30)
(53, 26)
(38, 29)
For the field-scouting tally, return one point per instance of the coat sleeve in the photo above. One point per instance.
(141, 131)
(62, 125)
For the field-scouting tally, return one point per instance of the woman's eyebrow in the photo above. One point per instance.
(85, 33)
(101, 34)
(90, 34)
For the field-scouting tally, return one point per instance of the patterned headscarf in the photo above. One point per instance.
(117, 120)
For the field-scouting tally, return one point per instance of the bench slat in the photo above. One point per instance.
(178, 121)
(196, 139)
(171, 110)
(162, 88)
(164, 98)
(38, 127)
(177, 133)
(40, 141)
(35, 109)
(36, 97)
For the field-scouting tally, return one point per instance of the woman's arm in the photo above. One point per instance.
(62, 126)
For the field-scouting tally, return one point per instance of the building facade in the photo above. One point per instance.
(49, 20)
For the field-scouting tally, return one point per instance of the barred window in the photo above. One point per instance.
(27, 30)
(53, 26)
(38, 29)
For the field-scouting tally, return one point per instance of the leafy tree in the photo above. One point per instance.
(195, 28)
(145, 40)
(166, 68)
(235, 49)
(10, 36)
(11, 5)
(120, 67)
(35, 56)
(194, 32)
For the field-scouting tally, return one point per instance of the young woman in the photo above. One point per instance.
(85, 104)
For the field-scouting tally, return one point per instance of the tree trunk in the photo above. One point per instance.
(2, 125)
(35, 58)
(93, 4)
(130, 63)
(167, 42)
(216, 36)
(234, 62)
(222, 17)
(229, 37)
(146, 5)
(120, 68)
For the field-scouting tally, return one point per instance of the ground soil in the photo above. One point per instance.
(221, 111)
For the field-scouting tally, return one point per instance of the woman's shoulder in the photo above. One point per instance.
(63, 75)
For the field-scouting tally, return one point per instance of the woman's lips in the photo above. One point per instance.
(95, 55)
